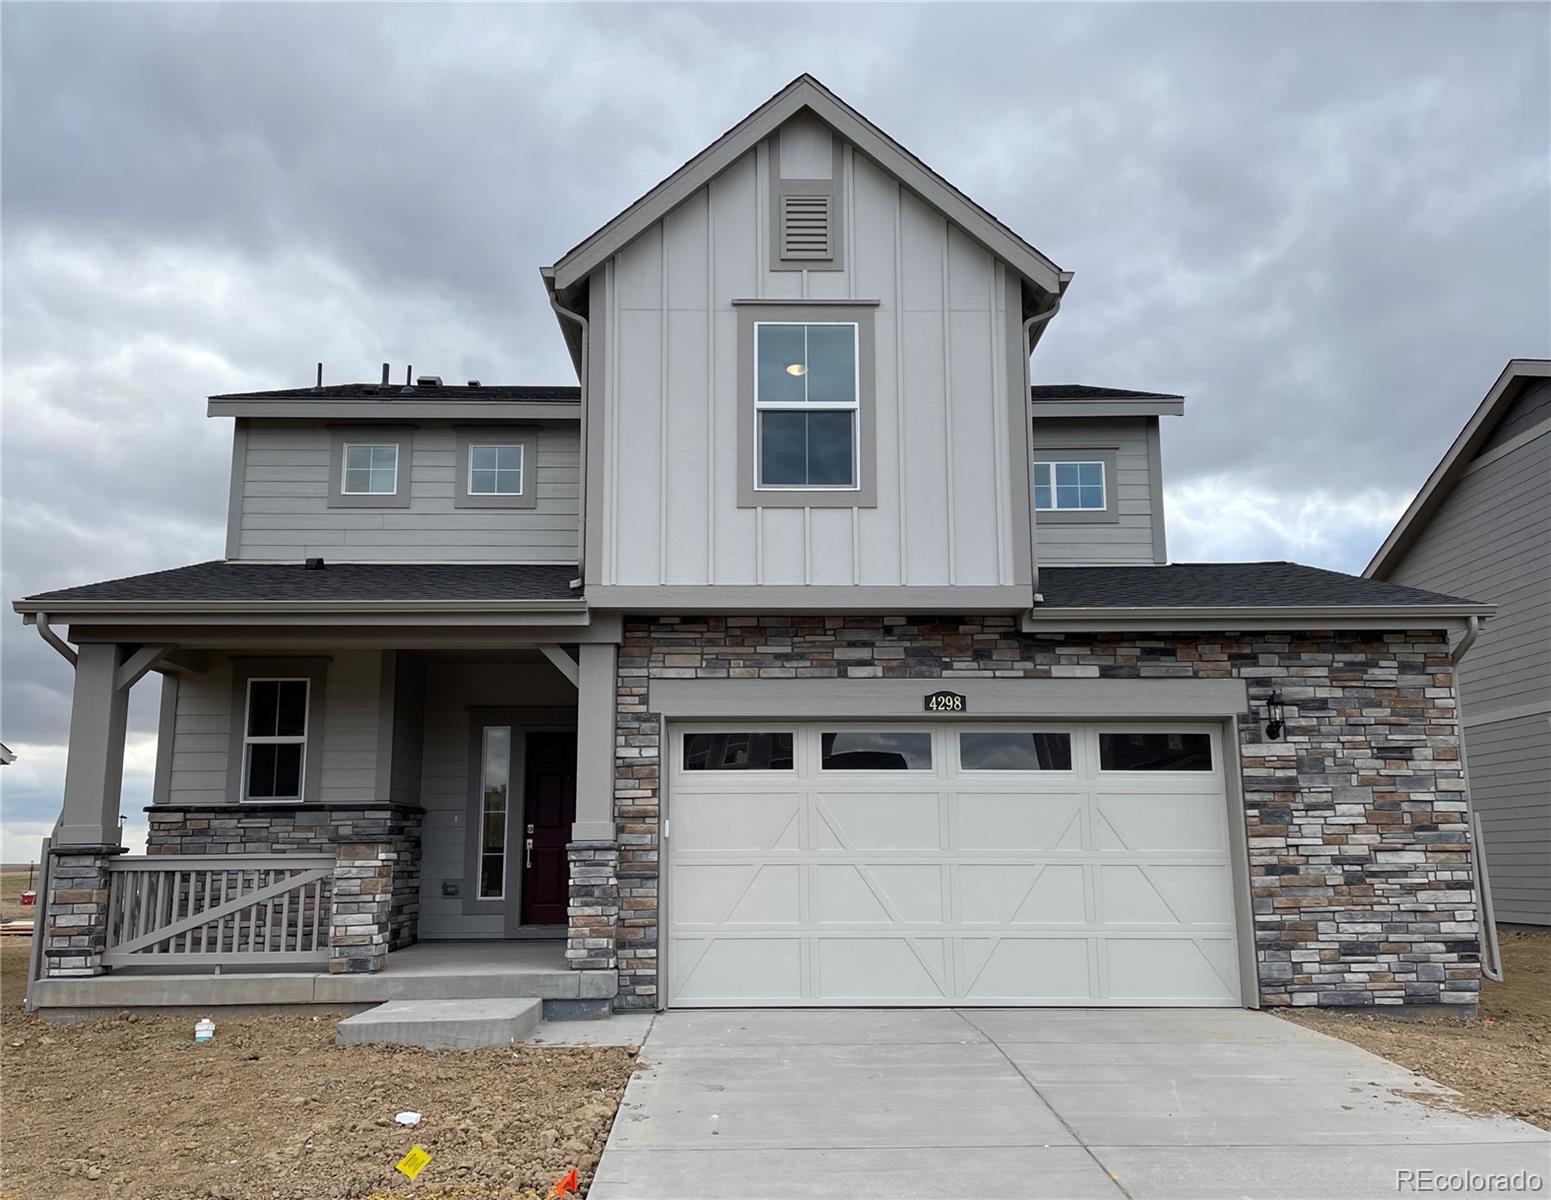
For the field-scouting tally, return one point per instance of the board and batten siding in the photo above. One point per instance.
(202, 746)
(1490, 540)
(1134, 537)
(283, 514)
(664, 505)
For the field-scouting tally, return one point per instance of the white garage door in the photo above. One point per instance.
(933, 864)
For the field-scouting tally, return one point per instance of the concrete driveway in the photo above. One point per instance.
(1033, 1103)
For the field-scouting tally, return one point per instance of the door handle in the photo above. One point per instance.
(527, 856)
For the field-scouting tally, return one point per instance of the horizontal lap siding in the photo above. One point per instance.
(1130, 540)
(202, 734)
(1490, 540)
(285, 513)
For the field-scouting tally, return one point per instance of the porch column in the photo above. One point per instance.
(593, 852)
(94, 768)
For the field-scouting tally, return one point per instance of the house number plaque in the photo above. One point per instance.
(946, 702)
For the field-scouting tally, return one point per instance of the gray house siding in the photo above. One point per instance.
(1532, 406)
(1133, 536)
(444, 783)
(281, 502)
(664, 425)
(1491, 540)
(197, 768)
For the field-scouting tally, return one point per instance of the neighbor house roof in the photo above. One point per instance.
(396, 401)
(1085, 400)
(399, 391)
(1455, 461)
(806, 92)
(1086, 391)
(208, 585)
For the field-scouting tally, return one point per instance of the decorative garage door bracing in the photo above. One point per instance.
(951, 863)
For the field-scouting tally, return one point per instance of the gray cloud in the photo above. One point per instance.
(1328, 225)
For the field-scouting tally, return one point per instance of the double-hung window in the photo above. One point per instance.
(806, 405)
(370, 469)
(1070, 487)
(274, 744)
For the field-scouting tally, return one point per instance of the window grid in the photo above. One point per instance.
(496, 470)
(268, 751)
(808, 406)
(370, 469)
(1069, 487)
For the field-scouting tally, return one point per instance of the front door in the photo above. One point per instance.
(549, 808)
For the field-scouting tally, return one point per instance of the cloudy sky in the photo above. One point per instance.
(1328, 226)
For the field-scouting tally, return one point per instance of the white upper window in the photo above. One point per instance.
(370, 469)
(1069, 487)
(495, 470)
(806, 405)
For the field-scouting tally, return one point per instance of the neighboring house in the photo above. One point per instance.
(1481, 526)
(803, 655)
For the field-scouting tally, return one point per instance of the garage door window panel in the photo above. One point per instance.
(1154, 751)
(738, 750)
(876, 750)
(1014, 750)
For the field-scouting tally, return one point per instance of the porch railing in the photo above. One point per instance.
(219, 910)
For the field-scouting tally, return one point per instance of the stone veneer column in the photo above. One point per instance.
(593, 914)
(361, 912)
(76, 922)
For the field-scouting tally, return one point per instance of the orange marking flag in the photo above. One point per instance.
(566, 1183)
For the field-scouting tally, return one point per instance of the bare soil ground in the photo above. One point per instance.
(1499, 1061)
(129, 1108)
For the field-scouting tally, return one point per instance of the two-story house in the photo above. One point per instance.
(802, 655)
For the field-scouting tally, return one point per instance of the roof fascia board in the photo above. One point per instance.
(1108, 408)
(1294, 617)
(1453, 464)
(271, 635)
(802, 94)
(399, 410)
(320, 611)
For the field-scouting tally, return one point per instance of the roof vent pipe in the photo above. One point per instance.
(320, 375)
(384, 374)
(409, 376)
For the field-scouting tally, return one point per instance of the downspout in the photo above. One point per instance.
(581, 499)
(1038, 318)
(1492, 960)
(46, 632)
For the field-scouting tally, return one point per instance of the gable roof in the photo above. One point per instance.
(1459, 456)
(807, 93)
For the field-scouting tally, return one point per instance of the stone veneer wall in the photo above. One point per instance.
(378, 844)
(1356, 820)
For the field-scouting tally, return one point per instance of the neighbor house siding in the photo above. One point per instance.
(666, 394)
(284, 512)
(1130, 539)
(202, 747)
(1490, 540)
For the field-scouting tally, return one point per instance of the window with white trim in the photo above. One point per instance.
(1070, 487)
(370, 469)
(806, 402)
(274, 743)
(496, 469)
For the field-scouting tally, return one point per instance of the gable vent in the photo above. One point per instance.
(805, 229)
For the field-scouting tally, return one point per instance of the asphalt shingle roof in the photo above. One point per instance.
(1220, 585)
(1085, 391)
(216, 581)
(397, 391)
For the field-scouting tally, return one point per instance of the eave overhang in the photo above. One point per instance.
(1161, 407)
(1229, 619)
(339, 409)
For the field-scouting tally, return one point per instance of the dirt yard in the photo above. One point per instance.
(127, 1107)
(1499, 1061)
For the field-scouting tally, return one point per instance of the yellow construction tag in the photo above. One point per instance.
(414, 1162)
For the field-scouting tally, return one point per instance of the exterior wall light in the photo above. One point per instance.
(1275, 724)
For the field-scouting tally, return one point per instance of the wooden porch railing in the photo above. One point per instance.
(219, 910)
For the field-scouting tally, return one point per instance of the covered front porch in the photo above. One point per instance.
(344, 811)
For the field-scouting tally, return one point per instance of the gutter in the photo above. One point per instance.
(1492, 959)
(566, 314)
(33, 613)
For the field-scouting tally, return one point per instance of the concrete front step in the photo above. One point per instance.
(443, 1024)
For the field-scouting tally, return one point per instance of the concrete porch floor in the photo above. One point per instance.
(426, 971)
